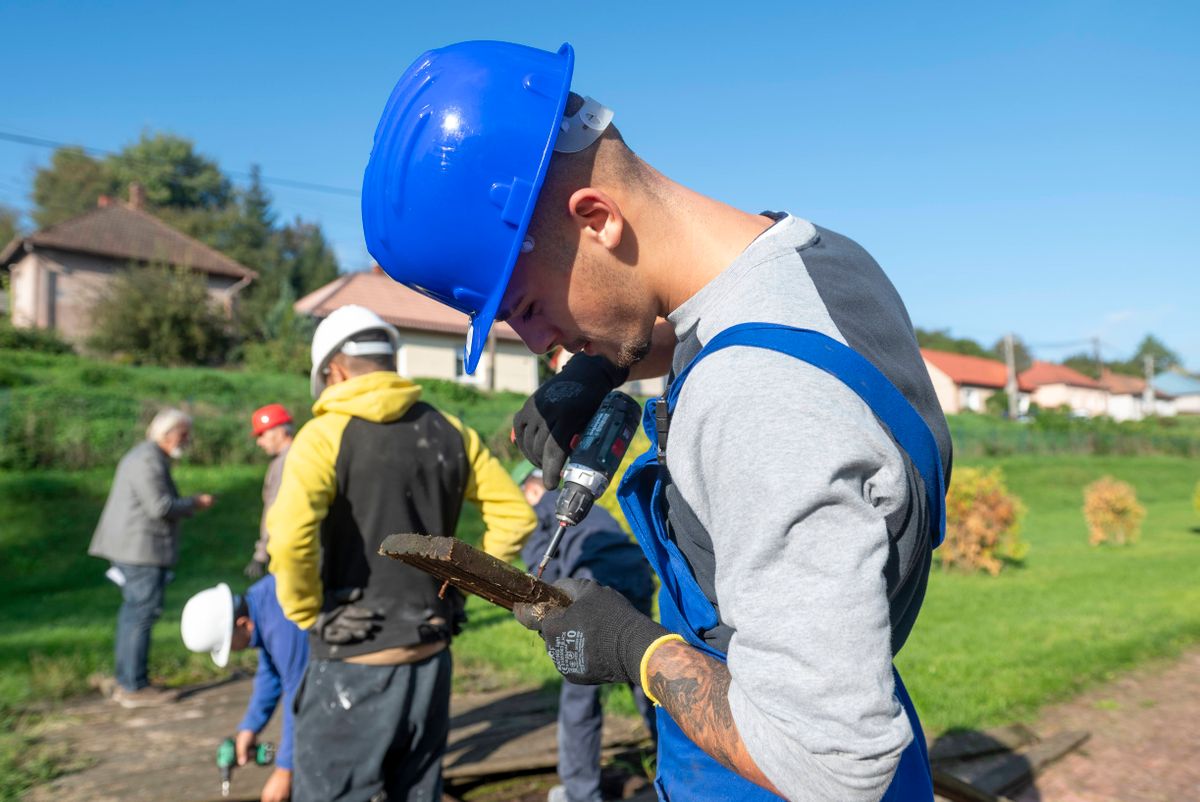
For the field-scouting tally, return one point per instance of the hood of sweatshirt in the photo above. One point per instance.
(379, 397)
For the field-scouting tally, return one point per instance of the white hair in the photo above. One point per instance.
(165, 422)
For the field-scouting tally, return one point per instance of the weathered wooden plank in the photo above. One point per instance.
(472, 570)
(1022, 766)
(973, 743)
(947, 786)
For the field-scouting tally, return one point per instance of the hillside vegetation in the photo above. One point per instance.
(65, 411)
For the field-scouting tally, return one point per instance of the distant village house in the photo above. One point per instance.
(57, 273)
(431, 334)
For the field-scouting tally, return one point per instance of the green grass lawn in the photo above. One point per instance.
(985, 650)
(990, 650)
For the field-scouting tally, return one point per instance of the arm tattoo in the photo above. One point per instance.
(694, 689)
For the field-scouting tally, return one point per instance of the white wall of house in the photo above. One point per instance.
(1082, 400)
(1124, 406)
(1187, 404)
(57, 289)
(23, 307)
(439, 356)
(974, 398)
(946, 389)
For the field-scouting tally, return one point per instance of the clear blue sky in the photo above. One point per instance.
(1032, 167)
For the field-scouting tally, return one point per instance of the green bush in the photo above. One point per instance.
(31, 339)
(160, 315)
(75, 413)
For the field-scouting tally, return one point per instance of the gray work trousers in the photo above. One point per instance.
(372, 733)
(580, 726)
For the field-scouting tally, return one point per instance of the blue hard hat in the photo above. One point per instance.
(460, 154)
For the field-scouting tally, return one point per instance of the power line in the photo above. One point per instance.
(41, 142)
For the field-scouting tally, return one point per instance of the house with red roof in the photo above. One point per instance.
(1131, 398)
(965, 383)
(57, 273)
(432, 335)
(1055, 386)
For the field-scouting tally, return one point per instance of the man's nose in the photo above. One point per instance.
(538, 337)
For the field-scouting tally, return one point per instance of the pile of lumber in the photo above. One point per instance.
(984, 766)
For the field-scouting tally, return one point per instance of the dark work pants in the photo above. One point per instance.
(580, 722)
(143, 603)
(580, 725)
(372, 733)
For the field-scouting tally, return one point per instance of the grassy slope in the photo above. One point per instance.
(988, 650)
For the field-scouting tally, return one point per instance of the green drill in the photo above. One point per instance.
(263, 755)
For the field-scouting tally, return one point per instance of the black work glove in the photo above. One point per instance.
(255, 569)
(599, 638)
(347, 622)
(560, 409)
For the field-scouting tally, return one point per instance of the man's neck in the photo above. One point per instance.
(690, 239)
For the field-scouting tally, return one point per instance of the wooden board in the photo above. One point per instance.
(473, 571)
(973, 743)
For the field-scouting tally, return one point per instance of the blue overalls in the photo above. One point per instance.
(685, 772)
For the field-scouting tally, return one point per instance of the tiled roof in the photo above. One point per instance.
(976, 371)
(1120, 384)
(392, 301)
(1043, 373)
(119, 232)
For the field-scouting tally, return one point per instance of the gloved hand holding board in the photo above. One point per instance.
(474, 571)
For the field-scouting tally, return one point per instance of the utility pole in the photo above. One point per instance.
(1148, 392)
(492, 359)
(1100, 370)
(1010, 385)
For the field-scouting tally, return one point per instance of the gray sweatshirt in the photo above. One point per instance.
(818, 551)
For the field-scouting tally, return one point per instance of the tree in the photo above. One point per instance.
(941, 340)
(172, 173)
(1021, 354)
(309, 261)
(10, 225)
(69, 187)
(161, 315)
(1164, 358)
(1083, 362)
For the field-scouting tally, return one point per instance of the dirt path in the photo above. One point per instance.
(1145, 744)
(169, 752)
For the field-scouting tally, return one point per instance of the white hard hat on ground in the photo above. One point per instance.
(335, 333)
(207, 623)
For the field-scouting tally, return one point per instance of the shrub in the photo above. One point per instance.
(31, 339)
(1112, 512)
(983, 522)
(160, 315)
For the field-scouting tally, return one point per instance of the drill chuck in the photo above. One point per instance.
(593, 463)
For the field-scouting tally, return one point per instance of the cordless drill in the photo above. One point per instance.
(594, 460)
(263, 755)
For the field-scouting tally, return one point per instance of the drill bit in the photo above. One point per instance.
(552, 549)
(224, 788)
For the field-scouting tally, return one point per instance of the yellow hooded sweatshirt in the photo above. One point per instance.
(310, 484)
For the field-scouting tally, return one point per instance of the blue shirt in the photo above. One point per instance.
(282, 657)
(595, 548)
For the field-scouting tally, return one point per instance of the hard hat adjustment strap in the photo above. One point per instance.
(370, 348)
(584, 127)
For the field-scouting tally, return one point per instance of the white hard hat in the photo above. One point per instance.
(207, 623)
(334, 334)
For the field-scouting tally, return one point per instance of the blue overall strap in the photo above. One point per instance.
(856, 372)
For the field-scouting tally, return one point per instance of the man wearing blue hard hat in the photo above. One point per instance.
(795, 487)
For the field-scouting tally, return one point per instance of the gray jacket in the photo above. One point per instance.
(140, 522)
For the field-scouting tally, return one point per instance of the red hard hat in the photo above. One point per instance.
(269, 417)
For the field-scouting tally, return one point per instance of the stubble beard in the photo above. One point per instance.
(629, 354)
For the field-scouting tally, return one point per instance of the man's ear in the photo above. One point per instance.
(245, 622)
(598, 216)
